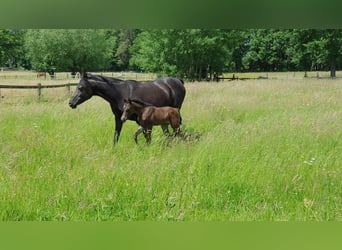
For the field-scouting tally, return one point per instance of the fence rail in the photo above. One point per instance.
(4, 75)
(38, 86)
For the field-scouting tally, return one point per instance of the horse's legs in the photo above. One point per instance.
(148, 133)
(118, 127)
(165, 130)
(138, 132)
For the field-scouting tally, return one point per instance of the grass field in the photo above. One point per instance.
(259, 150)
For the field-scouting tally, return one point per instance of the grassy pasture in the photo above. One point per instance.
(259, 150)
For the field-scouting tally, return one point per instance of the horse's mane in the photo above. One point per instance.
(109, 80)
(105, 78)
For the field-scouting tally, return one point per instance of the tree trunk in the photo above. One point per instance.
(333, 70)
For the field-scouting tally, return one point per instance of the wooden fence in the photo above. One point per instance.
(234, 77)
(68, 76)
(39, 87)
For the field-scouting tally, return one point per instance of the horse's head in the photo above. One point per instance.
(127, 110)
(83, 92)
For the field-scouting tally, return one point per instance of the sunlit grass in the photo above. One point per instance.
(257, 150)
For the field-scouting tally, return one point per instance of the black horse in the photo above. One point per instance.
(165, 91)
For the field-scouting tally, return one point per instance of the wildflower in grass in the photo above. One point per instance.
(310, 162)
(308, 203)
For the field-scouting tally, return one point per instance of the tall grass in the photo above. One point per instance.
(256, 150)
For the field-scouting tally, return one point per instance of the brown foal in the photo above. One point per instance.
(149, 116)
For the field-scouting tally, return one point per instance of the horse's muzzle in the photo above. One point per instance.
(73, 106)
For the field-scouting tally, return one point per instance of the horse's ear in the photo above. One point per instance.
(85, 75)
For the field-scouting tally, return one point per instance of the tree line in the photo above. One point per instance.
(194, 54)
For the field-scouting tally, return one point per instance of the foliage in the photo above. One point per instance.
(195, 54)
(267, 50)
(199, 53)
(69, 50)
(10, 47)
(123, 54)
(320, 49)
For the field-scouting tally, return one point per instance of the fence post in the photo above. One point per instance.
(39, 90)
(68, 88)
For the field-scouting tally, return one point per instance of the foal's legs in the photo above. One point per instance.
(165, 130)
(148, 132)
(138, 132)
(176, 131)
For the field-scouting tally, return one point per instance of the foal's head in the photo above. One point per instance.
(132, 107)
(127, 110)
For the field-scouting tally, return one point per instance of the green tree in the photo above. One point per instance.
(268, 50)
(148, 52)
(333, 38)
(319, 49)
(123, 55)
(195, 54)
(69, 50)
(11, 53)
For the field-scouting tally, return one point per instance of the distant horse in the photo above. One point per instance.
(165, 91)
(149, 115)
(39, 74)
(75, 74)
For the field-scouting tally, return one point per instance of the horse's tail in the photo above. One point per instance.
(180, 117)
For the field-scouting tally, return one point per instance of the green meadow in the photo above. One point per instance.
(254, 150)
